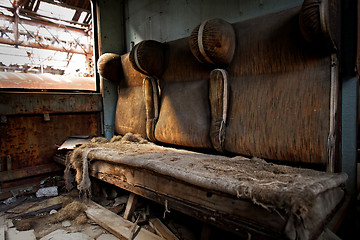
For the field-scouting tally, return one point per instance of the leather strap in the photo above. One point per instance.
(136, 58)
(200, 42)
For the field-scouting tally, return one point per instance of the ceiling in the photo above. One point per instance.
(36, 9)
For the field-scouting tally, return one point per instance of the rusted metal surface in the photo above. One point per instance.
(27, 9)
(29, 171)
(41, 46)
(34, 22)
(12, 103)
(30, 141)
(45, 81)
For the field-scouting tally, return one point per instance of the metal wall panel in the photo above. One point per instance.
(110, 22)
(12, 103)
(167, 20)
(28, 141)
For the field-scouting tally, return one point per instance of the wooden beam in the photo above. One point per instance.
(339, 216)
(161, 229)
(42, 46)
(40, 17)
(29, 172)
(36, 208)
(224, 211)
(76, 16)
(115, 224)
(14, 103)
(37, 23)
(82, 9)
(130, 206)
(205, 232)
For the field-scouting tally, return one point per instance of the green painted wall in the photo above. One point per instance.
(167, 20)
(110, 20)
(349, 93)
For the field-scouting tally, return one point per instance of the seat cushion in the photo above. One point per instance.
(280, 92)
(184, 114)
(130, 111)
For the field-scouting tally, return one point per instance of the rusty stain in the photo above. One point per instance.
(30, 141)
(30, 171)
(39, 103)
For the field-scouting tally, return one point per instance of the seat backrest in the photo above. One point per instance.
(279, 95)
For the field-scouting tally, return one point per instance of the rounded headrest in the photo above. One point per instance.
(109, 66)
(319, 22)
(147, 57)
(213, 42)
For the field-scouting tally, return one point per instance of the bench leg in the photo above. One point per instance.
(130, 206)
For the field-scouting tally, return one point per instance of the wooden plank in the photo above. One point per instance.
(161, 229)
(340, 215)
(34, 213)
(25, 211)
(115, 224)
(205, 232)
(60, 159)
(12, 103)
(29, 171)
(130, 206)
(233, 214)
(328, 235)
(5, 195)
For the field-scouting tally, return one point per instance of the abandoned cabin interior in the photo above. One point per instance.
(190, 119)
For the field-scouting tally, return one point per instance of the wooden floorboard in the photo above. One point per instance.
(115, 224)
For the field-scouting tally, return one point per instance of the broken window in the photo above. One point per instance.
(46, 44)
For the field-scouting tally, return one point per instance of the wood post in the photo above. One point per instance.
(130, 206)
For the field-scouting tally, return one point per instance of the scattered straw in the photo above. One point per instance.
(79, 159)
(116, 139)
(69, 212)
(130, 137)
(99, 140)
(24, 224)
(81, 219)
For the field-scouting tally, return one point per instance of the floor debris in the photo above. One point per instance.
(30, 209)
(161, 229)
(47, 192)
(69, 212)
(115, 224)
(9, 200)
(107, 237)
(13, 234)
(66, 223)
(2, 226)
(67, 217)
(61, 234)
